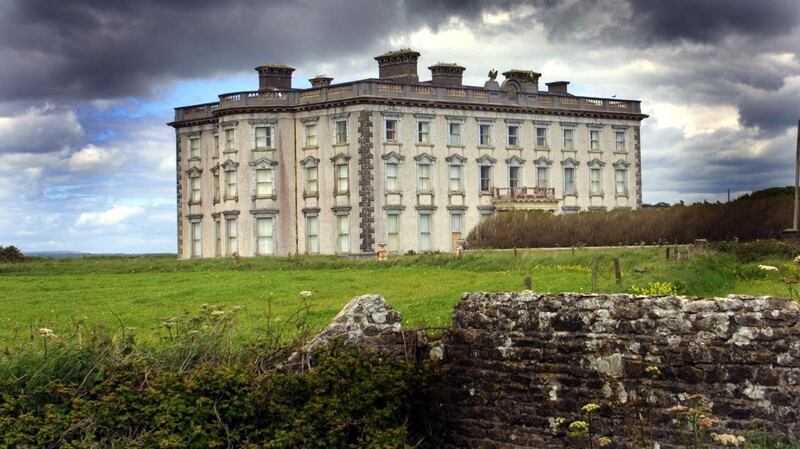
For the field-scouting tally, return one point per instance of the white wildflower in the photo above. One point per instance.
(727, 439)
(768, 268)
(217, 313)
(305, 294)
(797, 259)
(46, 333)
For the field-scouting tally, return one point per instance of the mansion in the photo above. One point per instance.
(343, 168)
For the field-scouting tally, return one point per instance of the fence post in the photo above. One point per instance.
(527, 281)
(617, 272)
(594, 275)
(668, 252)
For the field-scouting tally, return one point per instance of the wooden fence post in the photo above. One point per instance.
(527, 281)
(668, 248)
(617, 272)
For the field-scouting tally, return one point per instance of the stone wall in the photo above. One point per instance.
(517, 362)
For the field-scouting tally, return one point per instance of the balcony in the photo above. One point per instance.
(524, 198)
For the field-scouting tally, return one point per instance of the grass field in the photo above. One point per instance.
(139, 293)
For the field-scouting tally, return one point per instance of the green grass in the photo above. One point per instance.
(140, 292)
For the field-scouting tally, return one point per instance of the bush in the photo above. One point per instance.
(757, 217)
(759, 249)
(10, 254)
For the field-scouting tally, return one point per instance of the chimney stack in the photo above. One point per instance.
(400, 66)
(528, 80)
(320, 81)
(557, 87)
(274, 77)
(446, 74)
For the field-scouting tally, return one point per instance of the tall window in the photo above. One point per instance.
(230, 139)
(596, 186)
(541, 137)
(513, 135)
(215, 146)
(194, 186)
(194, 148)
(312, 234)
(311, 135)
(423, 132)
(594, 139)
(215, 186)
(217, 237)
(514, 177)
(233, 236)
(342, 178)
(265, 182)
(621, 177)
(391, 177)
(542, 176)
(265, 236)
(312, 184)
(569, 180)
(569, 142)
(341, 131)
(456, 178)
(425, 232)
(231, 188)
(486, 178)
(391, 130)
(457, 226)
(423, 177)
(619, 141)
(484, 134)
(455, 133)
(393, 232)
(343, 233)
(197, 239)
(263, 137)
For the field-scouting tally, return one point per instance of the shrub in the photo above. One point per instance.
(10, 254)
(759, 249)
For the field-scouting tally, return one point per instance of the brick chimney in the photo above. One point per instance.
(557, 87)
(320, 81)
(400, 66)
(274, 77)
(446, 74)
(527, 79)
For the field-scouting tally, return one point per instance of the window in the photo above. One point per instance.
(619, 141)
(424, 232)
(197, 239)
(233, 235)
(594, 139)
(484, 215)
(621, 177)
(311, 135)
(231, 189)
(542, 176)
(513, 135)
(596, 182)
(424, 132)
(484, 134)
(486, 178)
(391, 130)
(391, 177)
(423, 177)
(541, 137)
(393, 232)
(194, 148)
(342, 178)
(215, 147)
(312, 234)
(215, 186)
(230, 140)
(455, 134)
(569, 180)
(312, 185)
(456, 181)
(341, 131)
(514, 177)
(265, 182)
(263, 137)
(456, 227)
(569, 142)
(217, 238)
(194, 187)
(265, 233)
(343, 233)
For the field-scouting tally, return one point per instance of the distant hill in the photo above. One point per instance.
(772, 192)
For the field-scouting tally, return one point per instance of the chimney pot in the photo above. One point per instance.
(446, 74)
(399, 65)
(557, 87)
(320, 81)
(274, 77)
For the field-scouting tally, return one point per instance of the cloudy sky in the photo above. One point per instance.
(86, 87)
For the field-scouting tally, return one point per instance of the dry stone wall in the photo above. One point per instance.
(516, 362)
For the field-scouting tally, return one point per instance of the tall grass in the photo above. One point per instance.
(751, 218)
